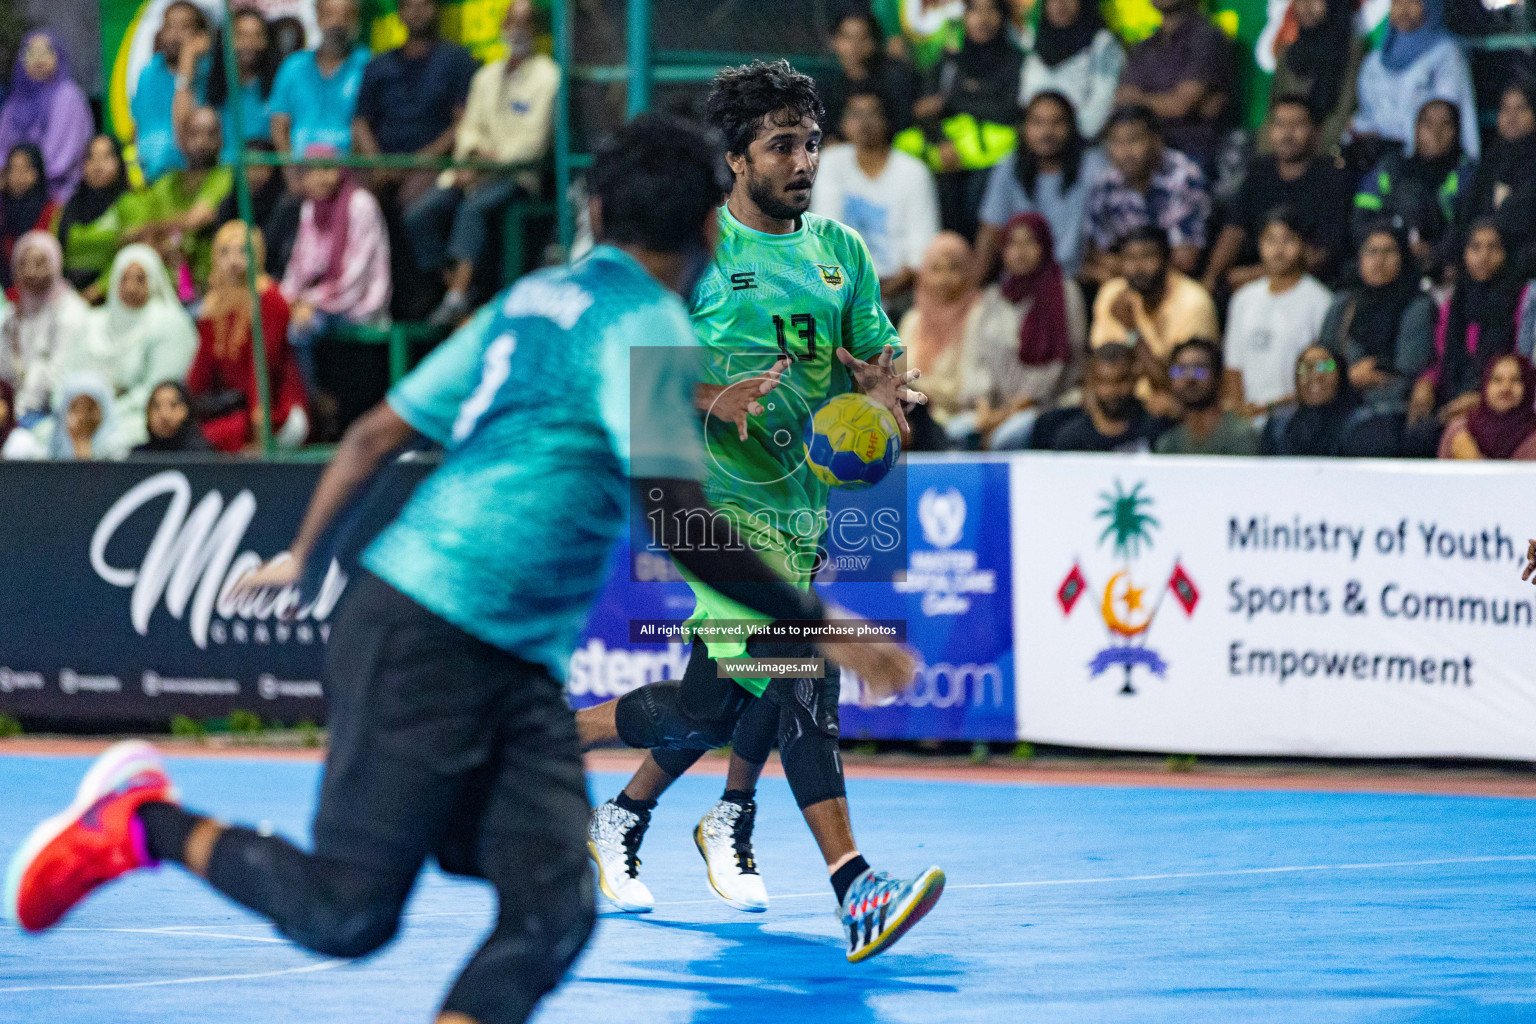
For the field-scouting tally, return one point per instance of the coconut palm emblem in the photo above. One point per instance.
(1128, 610)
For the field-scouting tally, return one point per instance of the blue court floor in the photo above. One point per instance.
(1065, 904)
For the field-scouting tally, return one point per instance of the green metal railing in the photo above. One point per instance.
(644, 68)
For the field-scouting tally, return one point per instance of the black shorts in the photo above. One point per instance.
(441, 744)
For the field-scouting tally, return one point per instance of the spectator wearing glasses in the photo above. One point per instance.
(1151, 309)
(1273, 319)
(885, 195)
(1325, 403)
(1503, 423)
(1418, 61)
(1293, 175)
(47, 109)
(1419, 193)
(1070, 52)
(1384, 326)
(1144, 183)
(1195, 376)
(1048, 174)
(509, 119)
(864, 66)
(1185, 73)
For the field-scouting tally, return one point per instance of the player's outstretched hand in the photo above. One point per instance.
(880, 381)
(1530, 563)
(277, 572)
(736, 401)
(886, 668)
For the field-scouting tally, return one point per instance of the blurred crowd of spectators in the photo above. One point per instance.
(128, 323)
(1083, 252)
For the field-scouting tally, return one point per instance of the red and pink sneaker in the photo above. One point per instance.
(94, 840)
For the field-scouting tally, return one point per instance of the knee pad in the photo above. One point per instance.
(808, 734)
(657, 715)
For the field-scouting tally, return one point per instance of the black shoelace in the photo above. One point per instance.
(632, 837)
(741, 836)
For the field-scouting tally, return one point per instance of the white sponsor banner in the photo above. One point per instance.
(1274, 606)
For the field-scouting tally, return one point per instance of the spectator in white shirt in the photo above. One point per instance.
(1273, 320)
(885, 195)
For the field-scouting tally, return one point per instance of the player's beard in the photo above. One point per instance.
(762, 194)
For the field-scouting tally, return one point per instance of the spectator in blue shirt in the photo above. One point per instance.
(315, 94)
(153, 104)
(256, 63)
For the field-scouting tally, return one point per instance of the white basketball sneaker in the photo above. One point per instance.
(724, 839)
(613, 840)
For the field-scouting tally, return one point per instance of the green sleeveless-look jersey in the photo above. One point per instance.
(804, 295)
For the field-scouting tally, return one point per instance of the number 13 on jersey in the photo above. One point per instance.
(802, 326)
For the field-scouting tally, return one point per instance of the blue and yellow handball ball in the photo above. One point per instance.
(852, 442)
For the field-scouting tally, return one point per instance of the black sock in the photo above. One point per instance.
(739, 796)
(166, 828)
(843, 877)
(633, 806)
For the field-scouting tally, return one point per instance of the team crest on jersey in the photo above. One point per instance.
(832, 275)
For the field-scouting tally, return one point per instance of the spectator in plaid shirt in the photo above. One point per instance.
(1144, 183)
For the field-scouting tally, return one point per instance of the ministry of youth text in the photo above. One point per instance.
(1261, 533)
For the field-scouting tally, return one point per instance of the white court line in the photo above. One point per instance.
(183, 929)
(324, 965)
(1174, 875)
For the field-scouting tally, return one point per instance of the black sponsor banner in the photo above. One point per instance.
(116, 595)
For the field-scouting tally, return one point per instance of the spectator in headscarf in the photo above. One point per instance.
(1071, 52)
(24, 202)
(90, 226)
(277, 219)
(1503, 424)
(339, 269)
(1419, 193)
(47, 314)
(863, 65)
(1476, 326)
(1418, 61)
(152, 337)
(932, 332)
(1325, 401)
(1321, 65)
(1025, 346)
(222, 380)
(1504, 186)
(84, 423)
(47, 109)
(1383, 327)
(169, 425)
(967, 119)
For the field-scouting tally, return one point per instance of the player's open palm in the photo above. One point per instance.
(879, 380)
(280, 571)
(734, 402)
(886, 668)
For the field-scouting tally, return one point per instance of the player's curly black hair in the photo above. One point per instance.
(658, 178)
(743, 96)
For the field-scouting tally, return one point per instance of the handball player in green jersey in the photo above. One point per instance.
(789, 314)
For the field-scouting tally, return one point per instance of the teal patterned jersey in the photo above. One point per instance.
(570, 381)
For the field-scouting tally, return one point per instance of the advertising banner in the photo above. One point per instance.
(955, 600)
(1244, 606)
